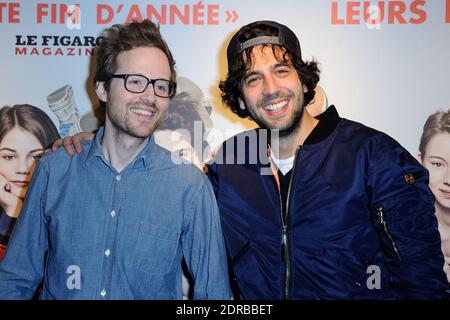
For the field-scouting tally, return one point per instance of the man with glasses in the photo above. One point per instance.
(138, 83)
(115, 221)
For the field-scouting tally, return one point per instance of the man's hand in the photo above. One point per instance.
(72, 144)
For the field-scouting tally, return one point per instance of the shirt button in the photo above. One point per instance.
(113, 213)
(107, 252)
(118, 178)
(103, 292)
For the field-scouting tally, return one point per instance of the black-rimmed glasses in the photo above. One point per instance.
(137, 83)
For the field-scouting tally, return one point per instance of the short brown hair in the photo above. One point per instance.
(124, 37)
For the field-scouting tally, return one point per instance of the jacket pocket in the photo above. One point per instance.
(155, 249)
(388, 245)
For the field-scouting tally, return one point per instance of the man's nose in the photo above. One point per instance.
(270, 85)
(149, 94)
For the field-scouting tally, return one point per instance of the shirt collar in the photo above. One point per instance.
(145, 156)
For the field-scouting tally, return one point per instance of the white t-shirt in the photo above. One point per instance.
(284, 165)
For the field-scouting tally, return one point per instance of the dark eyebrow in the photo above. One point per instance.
(277, 65)
(12, 150)
(40, 149)
(251, 74)
(282, 64)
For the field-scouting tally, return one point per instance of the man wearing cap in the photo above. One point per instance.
(316, 208)
(346, 214)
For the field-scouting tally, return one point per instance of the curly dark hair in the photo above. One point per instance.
(231, 87)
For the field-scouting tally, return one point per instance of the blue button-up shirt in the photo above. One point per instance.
(92, 233)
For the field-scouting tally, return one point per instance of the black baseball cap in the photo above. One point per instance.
(283, 37)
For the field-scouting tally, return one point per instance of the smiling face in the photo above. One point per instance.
(273, 91)
(19, 152)
(437, 161)
(136, 114)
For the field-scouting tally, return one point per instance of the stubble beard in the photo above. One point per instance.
(123, 126)
(293, 125)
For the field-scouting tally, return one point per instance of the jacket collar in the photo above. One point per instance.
(328, 121)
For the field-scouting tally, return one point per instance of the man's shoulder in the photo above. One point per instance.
(359, 128)
(361, 132)
(61, 159)
(376, 143)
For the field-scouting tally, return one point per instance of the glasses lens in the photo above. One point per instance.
(163, 88)
(136, 83)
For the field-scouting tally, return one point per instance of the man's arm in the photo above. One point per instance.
(72, 144)
(22, 266)
(204, 248)
(403, 214)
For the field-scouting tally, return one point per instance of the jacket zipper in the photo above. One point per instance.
(382, 221)
(284, 233)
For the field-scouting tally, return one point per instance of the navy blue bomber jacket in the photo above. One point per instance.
(360, 220)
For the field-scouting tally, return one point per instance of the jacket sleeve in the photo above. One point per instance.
(204, 248)
(22, 266)
(402, 209)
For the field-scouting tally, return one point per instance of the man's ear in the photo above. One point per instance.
(317, 105)
(101, 91)
(241, 104)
